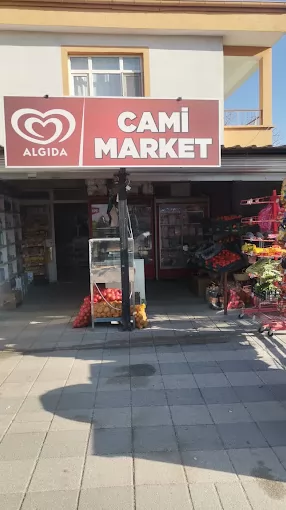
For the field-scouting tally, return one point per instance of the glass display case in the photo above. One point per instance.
(180, 227)
(105, 270)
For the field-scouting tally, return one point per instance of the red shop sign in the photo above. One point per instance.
(111, 132)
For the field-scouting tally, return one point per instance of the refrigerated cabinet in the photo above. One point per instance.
(179, 228)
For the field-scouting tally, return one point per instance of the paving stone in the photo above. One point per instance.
(113, 399)
(159, 468)
(274, 432)
(119, 383)
(108, 471)
(204, 497)
(23, 417)
(179, 381)
(235, 366)
(278, 391)
(35, 404)
(107, 498)
(210, 367)
(34, 426)
(243, 379)
(174, 368)
(10, 405)
(280, 451)
(41, 388)
(154, 382)
(229, 413)
(254, 393)
(65, 443)
(266, 411)
(74, 419)
(59, 500)
(211, 380)
(167, 497)
(154, 439)
(151, 416)
(23, 376)
(260, 365)
(208, 467)
(148, 398)
(232, 496)
(16, 389)
(167, 349)
(110, 441)
(273, 376)
(220, 395)
(199, 356)
(266, 495)
(11, 501)
(57, 474)
(171, 357)
(76, 401)
(241, 435)
(190, 415)
(15, 475)
(260, 463)
(112, 418)
(184, 396)
(198, 437)
(21, 447)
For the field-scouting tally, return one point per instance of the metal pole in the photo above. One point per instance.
(124, 259)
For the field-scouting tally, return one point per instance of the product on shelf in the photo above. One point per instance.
(224, 259)
(83, 318)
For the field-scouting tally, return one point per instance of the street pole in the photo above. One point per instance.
(124, 258)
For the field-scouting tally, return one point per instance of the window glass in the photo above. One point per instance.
(105, 63)
(131, 64)
(79, 63)
(80, 85)
(107, 85)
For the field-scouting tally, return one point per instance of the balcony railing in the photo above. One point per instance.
(242, 117)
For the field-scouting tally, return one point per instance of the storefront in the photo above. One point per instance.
(63, 199)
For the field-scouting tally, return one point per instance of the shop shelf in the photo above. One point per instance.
(258, 201)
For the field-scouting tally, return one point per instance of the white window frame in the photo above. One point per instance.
(89, 72)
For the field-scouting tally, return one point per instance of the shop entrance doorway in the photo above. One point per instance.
(71, 236)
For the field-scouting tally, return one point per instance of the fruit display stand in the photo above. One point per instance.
(269, 296)
(105, 276)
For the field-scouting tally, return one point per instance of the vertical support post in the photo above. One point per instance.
(275, 211)
(124, 258)
(265, 86)
(225, 293)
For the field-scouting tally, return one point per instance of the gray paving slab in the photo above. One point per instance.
(232, 496)
(274, 432)
(278, 391)
(198, 437)
(57, 474)
(154, 382)
(148, 398)
(229, 413)
(174, 368)
(110, 441)
(107, 498)
(59, 500)
(108, 471)
(265, 495)
(151, 416)
(76, 401)
(208, 467)
(225, 395)
(11, 501)
(154, 439)
(168, 497)
(65, 443)
(243, 379)
(266, 411)
(204, 497)
(273, 376)
(72, 419)
(241, 435)
(258, 463)
(21, 446)
(210, 367)
(211, 380)
(109, 399)
(159, 468)
(280, 451)
(111, 418)
(173, 382)
(184, 396)
(15, 475)
(10, 405)
(254, 393)
(191, 415)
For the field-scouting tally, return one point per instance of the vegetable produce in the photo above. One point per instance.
(270, 251)
(83, 318)
(223, 259)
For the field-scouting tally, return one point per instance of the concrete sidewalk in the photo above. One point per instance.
(171, 419)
